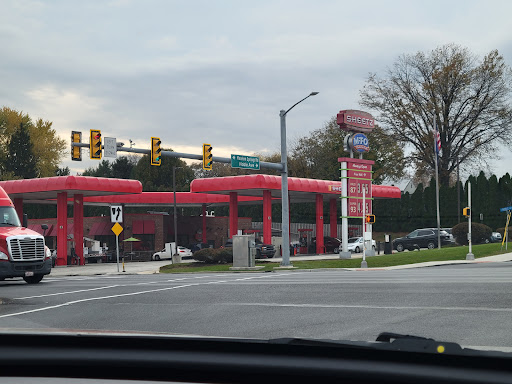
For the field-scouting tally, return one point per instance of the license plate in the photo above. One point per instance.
(29, 273)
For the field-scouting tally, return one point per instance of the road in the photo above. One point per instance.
(468, 304)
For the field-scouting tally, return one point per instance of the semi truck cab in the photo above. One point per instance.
(22, 251)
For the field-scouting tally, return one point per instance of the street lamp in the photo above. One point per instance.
(285, 219)
(175, 217)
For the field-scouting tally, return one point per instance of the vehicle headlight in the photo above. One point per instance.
(3, 256)
(47, 252)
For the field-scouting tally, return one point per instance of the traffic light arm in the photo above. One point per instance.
(216, 159)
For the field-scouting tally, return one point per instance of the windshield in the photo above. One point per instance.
(9, 217)
(263, 169)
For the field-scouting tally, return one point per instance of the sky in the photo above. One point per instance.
(219, 72)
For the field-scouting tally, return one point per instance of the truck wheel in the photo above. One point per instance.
(157, 257)
(357, 250)
(33, 279)
(336, 250)
(270, 255)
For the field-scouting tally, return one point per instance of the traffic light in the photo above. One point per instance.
(207, 157)
(156, 157)
(466, 212)
(95, 144)
(370, 219)
(76, 152)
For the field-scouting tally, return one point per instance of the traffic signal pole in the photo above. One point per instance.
(216, 159)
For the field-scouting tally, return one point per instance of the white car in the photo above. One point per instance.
(184, 252)
(355, 244)
(163, 254)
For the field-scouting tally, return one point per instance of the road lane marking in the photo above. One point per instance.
(127, 294)
(107, 287)
(343, 306)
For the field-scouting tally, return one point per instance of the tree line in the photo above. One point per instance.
(418, 210)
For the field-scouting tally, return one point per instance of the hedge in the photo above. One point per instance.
(479, 233)
(214, 255)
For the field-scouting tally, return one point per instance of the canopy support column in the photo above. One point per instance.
(62, 228)
(333, 214)
(267, 217)
(233, 214)
(18, 206)
(319, 224)
(78, 226)
(204, 224)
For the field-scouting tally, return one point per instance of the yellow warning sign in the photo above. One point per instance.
(117, 229)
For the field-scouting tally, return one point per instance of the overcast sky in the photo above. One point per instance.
(192, 71)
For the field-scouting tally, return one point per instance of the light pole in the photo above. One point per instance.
(175, 217)
(285, 218)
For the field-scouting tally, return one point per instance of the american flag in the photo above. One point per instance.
(437, 138)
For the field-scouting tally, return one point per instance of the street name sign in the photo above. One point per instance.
(110, 147)
(245, 162)
(505, 209)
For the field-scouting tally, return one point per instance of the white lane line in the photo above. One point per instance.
(126, 294)
(107, 287)
(343, 306)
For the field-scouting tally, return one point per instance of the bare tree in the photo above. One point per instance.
(469, 99)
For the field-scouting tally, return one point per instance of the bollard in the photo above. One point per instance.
(123, 265)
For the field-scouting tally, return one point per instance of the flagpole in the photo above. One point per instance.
(436, 153)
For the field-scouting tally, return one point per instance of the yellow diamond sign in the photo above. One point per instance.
(117, 229)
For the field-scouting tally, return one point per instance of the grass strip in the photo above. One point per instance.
(403, 258)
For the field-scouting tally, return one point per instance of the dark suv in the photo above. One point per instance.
(262, 250)
(421, 238)
(331, 244)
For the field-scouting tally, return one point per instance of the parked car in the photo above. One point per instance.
(449, 232)
(355, 244)
(262, 250)
(496, 237)
(331, 244)
(421, 238)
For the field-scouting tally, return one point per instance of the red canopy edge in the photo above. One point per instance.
(269, 182)
(71, 183)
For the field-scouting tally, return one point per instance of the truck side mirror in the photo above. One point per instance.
(44, 227)
(25, 220)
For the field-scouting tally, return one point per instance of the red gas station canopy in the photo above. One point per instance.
(48, 187)
(300, 189)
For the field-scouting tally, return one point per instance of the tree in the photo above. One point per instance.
(48, 147)
(20, 161)
(316, 156)
(160, 178)
(468, 98)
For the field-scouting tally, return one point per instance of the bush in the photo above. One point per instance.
(214, 256)
(479, 233)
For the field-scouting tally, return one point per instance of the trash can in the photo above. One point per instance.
(388, 245)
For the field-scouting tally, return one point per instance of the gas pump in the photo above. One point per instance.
(304, 240)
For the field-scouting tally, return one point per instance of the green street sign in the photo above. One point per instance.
(245, 162)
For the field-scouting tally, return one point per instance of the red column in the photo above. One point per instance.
(204, 223)
(267, 217)
(78, 226)
(333, 214)
(319, 224)
(62, 228)
(18, 205)
(233, 214)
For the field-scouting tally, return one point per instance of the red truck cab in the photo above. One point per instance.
(22, 251)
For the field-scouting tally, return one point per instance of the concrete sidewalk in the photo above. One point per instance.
(151, 267)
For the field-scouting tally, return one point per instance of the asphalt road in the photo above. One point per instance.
(468, 304)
